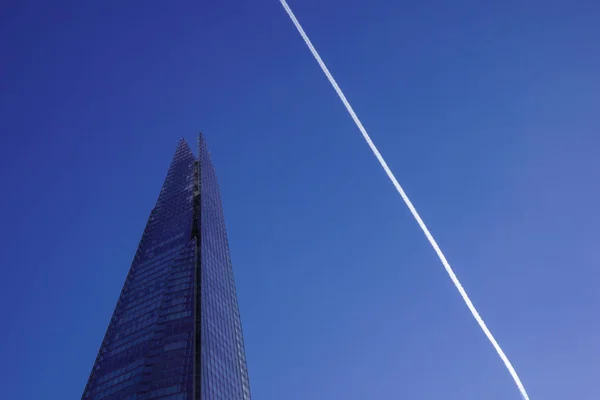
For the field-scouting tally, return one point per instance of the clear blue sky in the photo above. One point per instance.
(486, 111)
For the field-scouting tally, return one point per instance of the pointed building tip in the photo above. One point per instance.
(183, 146)
(201, 139)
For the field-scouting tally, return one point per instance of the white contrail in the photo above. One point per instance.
(409, 204)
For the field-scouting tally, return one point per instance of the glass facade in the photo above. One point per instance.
(176, 332)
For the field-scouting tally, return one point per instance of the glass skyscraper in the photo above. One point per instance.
(175, 333)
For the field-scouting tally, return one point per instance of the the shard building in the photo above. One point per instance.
(175, 333)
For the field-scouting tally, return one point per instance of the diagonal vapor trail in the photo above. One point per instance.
(409, 204)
